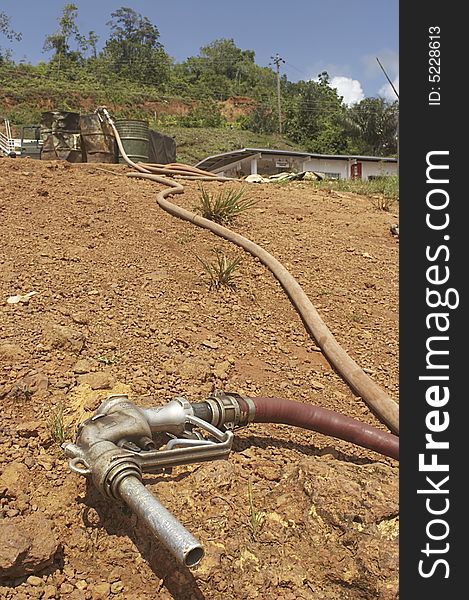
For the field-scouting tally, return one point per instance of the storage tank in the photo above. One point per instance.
(135, 139)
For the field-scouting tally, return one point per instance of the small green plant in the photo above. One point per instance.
(357, 316)
(57, 428)
(223, 207)
(256, 517)
(221, 271)
(21, 391)
(383, 203)
(108, 361)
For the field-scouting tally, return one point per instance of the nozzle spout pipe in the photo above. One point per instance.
(167, 529)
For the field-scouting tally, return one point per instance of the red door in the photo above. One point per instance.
(356, 170)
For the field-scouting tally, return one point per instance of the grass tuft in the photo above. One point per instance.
(383, 202)
(224, 206)
(256, 517)
(387, 187)
(57, 428)
(222, 271)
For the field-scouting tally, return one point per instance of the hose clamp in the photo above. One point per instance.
(225, 410)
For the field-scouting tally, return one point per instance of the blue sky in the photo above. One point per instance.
(343, 37)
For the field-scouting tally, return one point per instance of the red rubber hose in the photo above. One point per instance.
(328, 422)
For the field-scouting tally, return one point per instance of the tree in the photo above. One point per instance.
(373, 126)
(221, 70)
(91, 42)
(315, 116)
(324, 77)
(8, 32)
(59, 42)
(263, 119)
(133, 50)
(224, 58)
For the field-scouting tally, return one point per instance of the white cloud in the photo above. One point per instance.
(387, 92)
(349, 88)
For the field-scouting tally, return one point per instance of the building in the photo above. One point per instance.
(262, 161)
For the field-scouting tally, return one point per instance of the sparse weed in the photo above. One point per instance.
(221, 271)
(224, 206)
(57, 428)
(108, 361)
(256, 518)
(357, 316)
(20, 392)
(383, 203)
(186, 238)
(385, 187)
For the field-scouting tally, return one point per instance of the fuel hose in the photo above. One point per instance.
(376, 398)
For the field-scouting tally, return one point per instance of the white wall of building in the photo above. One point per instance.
(330, 167)
(378, 169)
(268, 164)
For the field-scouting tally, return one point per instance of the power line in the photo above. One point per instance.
(298, 70)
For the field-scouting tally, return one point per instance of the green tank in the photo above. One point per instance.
(135, 137)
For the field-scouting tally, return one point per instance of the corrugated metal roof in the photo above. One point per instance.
(218, 161)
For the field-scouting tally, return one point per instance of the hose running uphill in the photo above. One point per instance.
(122, 441)
(382, 405)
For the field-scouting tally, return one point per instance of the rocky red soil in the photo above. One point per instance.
(123, 305)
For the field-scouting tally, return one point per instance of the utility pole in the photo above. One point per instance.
(395, 91)
(277, 59)
(389, 81)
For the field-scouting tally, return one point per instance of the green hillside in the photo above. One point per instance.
(194, 144)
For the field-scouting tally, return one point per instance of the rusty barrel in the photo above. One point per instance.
(60, 132)
(98, 143)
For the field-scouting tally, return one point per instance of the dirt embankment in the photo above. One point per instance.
(122, 304)
(231, 109)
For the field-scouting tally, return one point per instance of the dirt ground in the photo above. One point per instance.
(123, 305)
